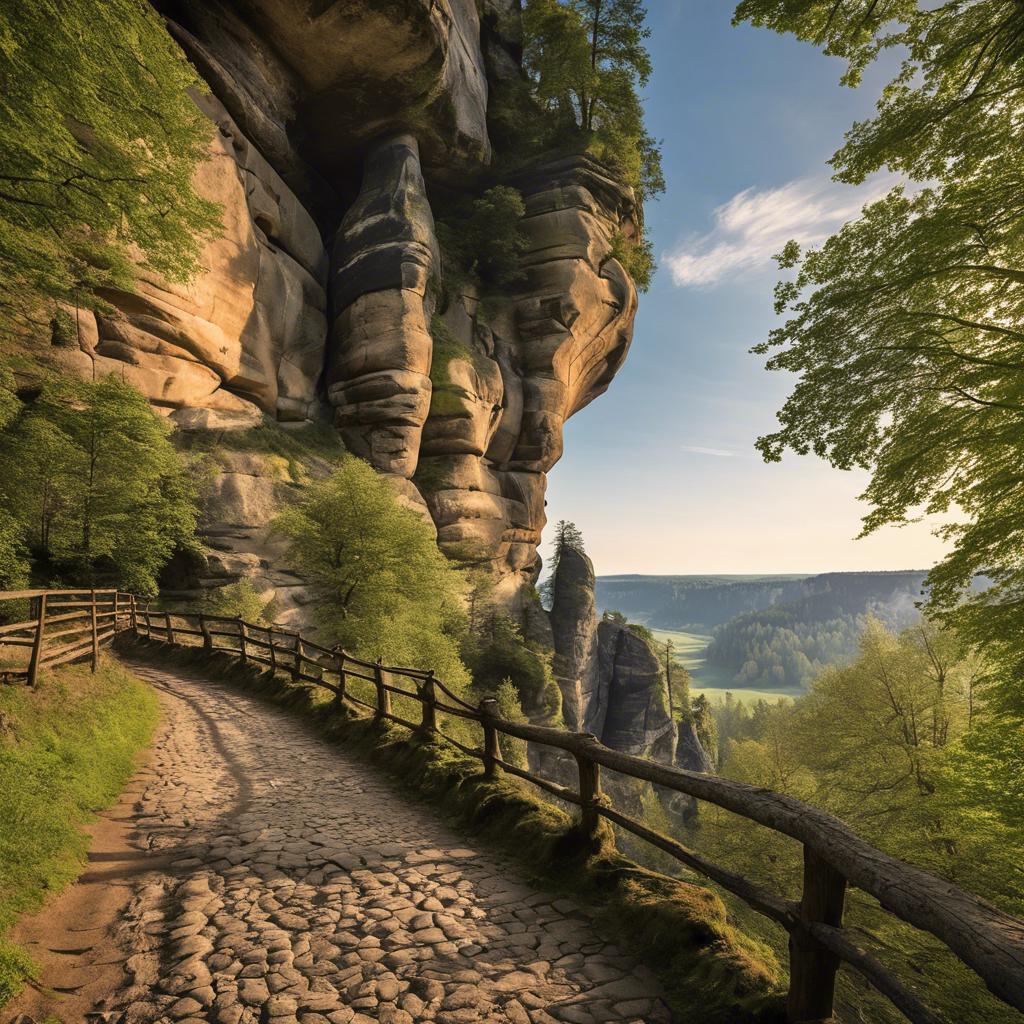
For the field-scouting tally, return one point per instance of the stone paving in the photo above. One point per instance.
(305, 887)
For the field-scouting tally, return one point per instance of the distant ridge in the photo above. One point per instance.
(702, 602)
(768, 631)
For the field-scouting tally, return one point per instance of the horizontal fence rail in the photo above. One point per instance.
(62, 626)
(985, 938)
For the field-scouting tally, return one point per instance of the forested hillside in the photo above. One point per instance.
(788, 644)
(769, 631)
(693, 602)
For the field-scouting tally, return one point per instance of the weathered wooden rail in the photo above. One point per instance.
(985, 938)
(63, 626)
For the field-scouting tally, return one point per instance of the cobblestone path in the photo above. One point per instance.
(306, 887)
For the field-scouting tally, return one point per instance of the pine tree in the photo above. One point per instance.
(588, 62)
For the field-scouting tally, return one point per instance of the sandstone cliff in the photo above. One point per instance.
(613, 685)
(335, 128)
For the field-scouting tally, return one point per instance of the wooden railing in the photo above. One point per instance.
(985, 938)
(62, 626)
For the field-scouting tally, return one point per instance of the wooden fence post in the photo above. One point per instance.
(297, 660)
(149, 622)
(95, 633)
(492, 747)
(117, 609)
(242, 652)
(169, 627)
(590, 789)
(204, 628)
(339, 697)
(428, 724)
(273, 649)
(134, 613)
(383, 696)
(812, 968)
(37, 643)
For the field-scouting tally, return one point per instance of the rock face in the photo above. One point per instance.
(690, 752)
(613, 685)
(385, 254)
(574, 628)
(334, 128)
(636, 717)
(249, 332)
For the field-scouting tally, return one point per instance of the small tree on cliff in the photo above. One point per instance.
(567, 535)
(98, 143)
(588, 62)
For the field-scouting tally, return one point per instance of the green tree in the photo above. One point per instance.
(239, 600)
(887, 744)
(98, 142)
(495, 651)
(483, 237)
(588, 62)
(385, 588)
(905, 328)
(91, 477)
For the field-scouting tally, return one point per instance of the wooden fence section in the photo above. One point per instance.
(986, 939)
(63, 626)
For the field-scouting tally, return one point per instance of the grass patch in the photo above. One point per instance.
(294, 455)
(66, 751)
(713, 973)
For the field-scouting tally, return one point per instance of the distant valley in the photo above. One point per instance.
(762, 633)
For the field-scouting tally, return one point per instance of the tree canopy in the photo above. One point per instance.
(890, 744)
(91, 485)
(588, 62)
(905, 328)
(98, 142)
(385, 588)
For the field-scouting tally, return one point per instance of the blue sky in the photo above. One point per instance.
(660, 473)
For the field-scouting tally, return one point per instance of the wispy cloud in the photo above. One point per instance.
(756, 223)
(696, 449)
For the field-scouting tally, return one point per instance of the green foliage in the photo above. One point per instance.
(98, 143)
(511, 709)
(15, 564)
(66, 751)
(788, 643)
(706, 725)
(96, 488)
(239, 600)
(10, 405)
(482, 238)
(637, 256)
(567, 535)
(496, 652)
(888, 744)
(905, 328)
(385, 589)
(588, 61)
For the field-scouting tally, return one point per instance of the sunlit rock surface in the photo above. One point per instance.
(613, 685)
(334, 130)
